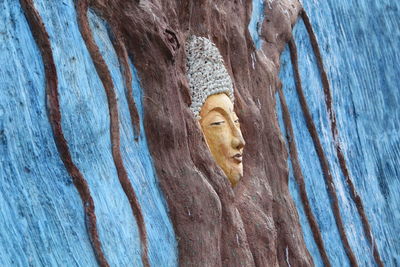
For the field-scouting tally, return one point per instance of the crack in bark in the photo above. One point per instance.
(105, 77)
(335, 133)
(53, 109)
(321, 155)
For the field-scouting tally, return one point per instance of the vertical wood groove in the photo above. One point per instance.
(321, 155)
(53, 109)
(300, 179)
(335, 133)
(106, 79)
(123, 59)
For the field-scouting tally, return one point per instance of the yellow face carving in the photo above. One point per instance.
(221, 129)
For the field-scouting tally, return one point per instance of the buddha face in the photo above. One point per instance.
(221, 129)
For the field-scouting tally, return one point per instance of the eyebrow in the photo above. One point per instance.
(220, 110)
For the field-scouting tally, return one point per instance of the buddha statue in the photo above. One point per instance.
(213, 105)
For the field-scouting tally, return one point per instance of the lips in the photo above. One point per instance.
(237, 158)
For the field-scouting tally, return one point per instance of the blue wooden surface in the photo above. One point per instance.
(137, 159)
(295, 192)
(359, 42)
(42, 218)
(42, 221)
(256, 20)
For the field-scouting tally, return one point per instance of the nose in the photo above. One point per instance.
(237, 138)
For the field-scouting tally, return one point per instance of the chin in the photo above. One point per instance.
(235, 176)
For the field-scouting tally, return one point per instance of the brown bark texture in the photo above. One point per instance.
(256, 223)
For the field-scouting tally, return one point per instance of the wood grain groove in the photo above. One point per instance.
(106, 79)
(298, 175)
(335, 133)
(53, 109)
(321, 155)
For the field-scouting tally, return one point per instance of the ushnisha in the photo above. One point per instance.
(206, 72)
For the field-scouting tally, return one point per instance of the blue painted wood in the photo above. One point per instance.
(136, 157)
(42, 218)
(314, 179)
(295, 192)
(256, 21)
(359, 42)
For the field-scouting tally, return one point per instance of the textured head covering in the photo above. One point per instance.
(206, 72)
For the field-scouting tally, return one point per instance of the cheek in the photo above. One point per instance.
(218, 141)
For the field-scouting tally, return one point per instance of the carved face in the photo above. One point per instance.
(221, 129)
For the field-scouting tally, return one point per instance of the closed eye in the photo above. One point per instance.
(217, 123)
(237, 121)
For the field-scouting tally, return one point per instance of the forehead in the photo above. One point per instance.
(217, 101)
